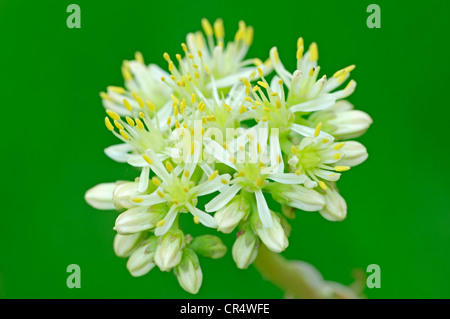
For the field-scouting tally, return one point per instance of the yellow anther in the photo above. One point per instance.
(338, 146)
(173, 78)
(150, 105)
(130, 121)
(264, 85)
(206, 68)
(279, 159)
(193, 98)
(116, 89)
(156, 181)
(207, 27)
(113, 115)
(350, 68)
(160, 194)
(298, 172)
(196, 219)
(118, 125)
(126, 74)
(294, 150)
(166, 56)
(250, 137)
(259, 181)
(265, 108)
(227, 107)
(242, 109)
(185, 189)
(171, 67)
(139, 123)
(160, 223)
(141, 115)
(175, 111)
(105, 96)
(264, 119)
(252, 76)
(218, 29)
(274, 93)
(199, 53)
(300, 51)
(313, 52)
(300, 42)
(178, 56)
(246, 82)
(248, 99)
(163, 79)
(137, 199)
(260, 72)
(139, 100)
(108, 124)
(213, 175)
(338, 73)
(224, 181)
(280, 82)
(323, 185)
(255, 88)
(190, 56)
(175, 201)
(186, 173)
(341, 168)
(232, 159)
(317, 130)
(196, 75)
(241, 173)
(337, 156)
(311, 72)
(124, 135)
(138, 57)
(147, 159)
(325, 140)
(192, 148)
(278, 104)
(183, 46)
(127, 104)
(258, 148)
(169, 166)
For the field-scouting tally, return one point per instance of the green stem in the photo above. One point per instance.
(290, 278)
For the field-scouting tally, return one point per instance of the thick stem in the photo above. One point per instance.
(289, 277)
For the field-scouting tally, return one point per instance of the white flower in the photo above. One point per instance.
(306, 93)
(274, 238)
(342, 121)
(141, 80)
(229, 216)
(124, 245)
(245, 248)
(298, 196)
(188, 272)
(321, 159)
(141, 260)
(101, 196)
(169, 251)
(335, 208)
(139, 218)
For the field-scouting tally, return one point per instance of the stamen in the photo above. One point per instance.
(213, 175)
(341, 168)
(147, 159)
(160, 223)
(317, 130)
(156, 181)
(339, 146)
(108, 124)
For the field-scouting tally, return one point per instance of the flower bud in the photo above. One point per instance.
(354, 154)
(101, 196)
(229, 216)
(298, 196)
(188, 272)
(348, 124)
(138, 219)
(335, 208)
(274, 237)
(169, 250)
(141, 260)
(208, 246)
(245, 248)
(124, 245)
(124, 192)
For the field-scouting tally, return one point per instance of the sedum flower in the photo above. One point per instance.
(229, 216)
(245, 248)
(124, 245)
(274, 238)
(169, 250)
(306, 92)
(142, 260)
(101, 196)
(188, 272)
(335, 208)
(138, 219)
(342, 121)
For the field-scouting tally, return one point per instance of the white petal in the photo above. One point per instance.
(223, 198)
(287, 178)
(263, 209)
(143, 179)
(317, 104)
(120, 152)
(168, 221)
(204, 218)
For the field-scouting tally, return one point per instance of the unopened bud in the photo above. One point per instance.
(229, 216)
(124, 245)
(141, 260)
(169, 250)
(208, 246)
(188, 272)
(245, 248)
(101, 196)
(274, 237)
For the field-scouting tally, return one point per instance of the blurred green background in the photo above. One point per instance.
(54, 136)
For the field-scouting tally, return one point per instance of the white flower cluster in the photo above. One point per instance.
(214, 125)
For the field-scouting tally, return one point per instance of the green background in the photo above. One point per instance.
(53, 138)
